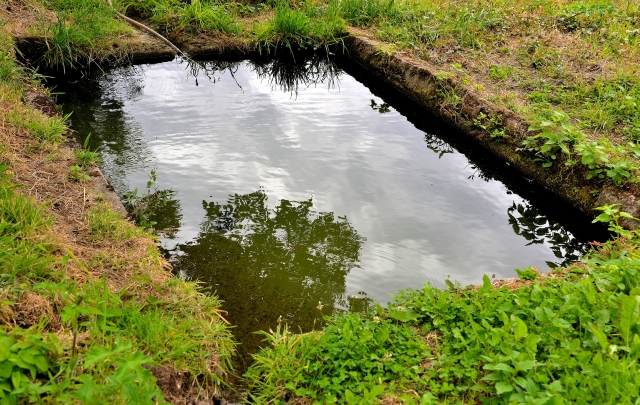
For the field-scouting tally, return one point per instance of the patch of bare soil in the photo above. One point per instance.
(22, 16)
(202, 44)
(34, 308)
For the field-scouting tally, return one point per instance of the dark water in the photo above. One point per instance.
(301, 191)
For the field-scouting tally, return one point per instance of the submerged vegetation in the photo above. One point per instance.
(89, 312)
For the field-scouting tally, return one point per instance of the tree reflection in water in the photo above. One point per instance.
(273, 263)
(529, 223)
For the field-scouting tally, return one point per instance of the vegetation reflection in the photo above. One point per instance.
(283, 264)
(528, 222)
(287, 74)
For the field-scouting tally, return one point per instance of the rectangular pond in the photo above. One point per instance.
(300, 191)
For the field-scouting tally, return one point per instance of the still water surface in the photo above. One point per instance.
(298, 188)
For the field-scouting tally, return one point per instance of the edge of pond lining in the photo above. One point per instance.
(418, 81)
(98, 182)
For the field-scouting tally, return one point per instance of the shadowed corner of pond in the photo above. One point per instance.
(286, 264)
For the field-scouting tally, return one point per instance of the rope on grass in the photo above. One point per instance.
(148, 29)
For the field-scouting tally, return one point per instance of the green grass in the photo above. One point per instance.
(23, 256)
(83, 33)
(198, 16)
(43, 128)
(570, 339)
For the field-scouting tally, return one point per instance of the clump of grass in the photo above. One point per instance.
(202, 16)
(83, 33)
(197, 16)
(365, 12)
(86, 158)
(45, 129)
(107, 224)
(67, 45)
(308, 26)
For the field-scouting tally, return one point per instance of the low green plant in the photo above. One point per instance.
(492, 125)
(448, 96)
(76, 173)
(500, 72)
(555, 137)
(23, 358)
(612, 215)
(351, 361)
(528, 273)
(86, 158)
(594, 156)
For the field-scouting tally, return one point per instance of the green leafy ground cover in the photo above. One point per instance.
(574, 338)
(87, 319)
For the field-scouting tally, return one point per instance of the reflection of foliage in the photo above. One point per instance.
(437, 145)
(381, 108)
(287, 261)
(529, 223)
(290, 74)
(286, 73)
(210, 67)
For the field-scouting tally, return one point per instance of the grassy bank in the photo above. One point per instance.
(90, 312)
(566, 337)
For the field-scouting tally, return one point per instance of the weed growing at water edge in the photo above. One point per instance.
(86, 158)
(528, 273)
(142, 207)
(491, 125)
(354, 359)
(76, 173)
